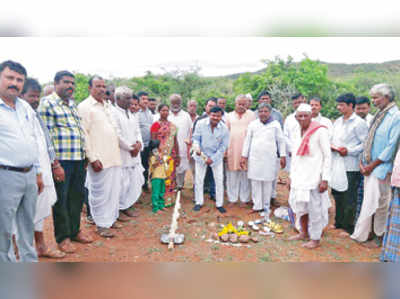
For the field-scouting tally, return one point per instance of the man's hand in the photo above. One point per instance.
(209, 161)
(243, 163)
(323, 186)
(97, 166)
(283, 162)
(342, 151)
(58, 173)
(366, 170)
(39, 183)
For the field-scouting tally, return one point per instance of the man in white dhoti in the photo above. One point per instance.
(130, 143)
(309, 176)
(376, 165)
(263, 139)
(102, 150)
(182, 120)
(48, 161)
(237, 121)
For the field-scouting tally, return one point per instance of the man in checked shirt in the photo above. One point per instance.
(59, 113)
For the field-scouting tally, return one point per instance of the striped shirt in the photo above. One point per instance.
(64, 126)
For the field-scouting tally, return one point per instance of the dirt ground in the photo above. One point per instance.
(139, 239)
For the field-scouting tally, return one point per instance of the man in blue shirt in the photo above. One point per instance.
(20, 173)
(376, 165)
(210, 141)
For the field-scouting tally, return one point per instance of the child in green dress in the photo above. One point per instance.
(158, 176)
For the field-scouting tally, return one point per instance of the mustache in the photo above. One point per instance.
(13, 87)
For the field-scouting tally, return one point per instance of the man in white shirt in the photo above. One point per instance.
(263, 139)
(349, 134)
(309, 176)
(316, 106)
(363, 107)
(102, 149)
(130, 143)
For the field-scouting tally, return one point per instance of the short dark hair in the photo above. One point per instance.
(347, 98)
(135, 97)
(14, 66)
(216, 109)
(296, 96)
(95, 77)
(31, 84)
(59, 75)
(317, 99)
(152, 100)
(162, 106)
(363, 100)
(263, 93)
(213, 99)
(142, 93)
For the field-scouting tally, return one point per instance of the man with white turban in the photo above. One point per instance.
(309, 176)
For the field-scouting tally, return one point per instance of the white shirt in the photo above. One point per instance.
(183, 122)
(101, 137)
(308, 171)
(290, 129)
(129, 134)
(369, 119)
(326, 122)
(350, 134)
(260, 147)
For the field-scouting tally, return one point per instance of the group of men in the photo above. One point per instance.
(56, 155)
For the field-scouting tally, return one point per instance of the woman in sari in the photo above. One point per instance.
(166, 131)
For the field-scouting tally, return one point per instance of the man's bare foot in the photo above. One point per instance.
(66, 246)
(49, 253)
(255, 211)
(372, 244)
(311, 244)
(298, 237)
(344, 235)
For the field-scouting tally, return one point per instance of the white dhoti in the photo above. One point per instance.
(261, 194)
(238, 185)
(104, 195)
(377, 195)
(43, 206)
(313, 203)
(132, 180)
(217, 170)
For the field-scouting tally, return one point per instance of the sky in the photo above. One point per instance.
(128, 38)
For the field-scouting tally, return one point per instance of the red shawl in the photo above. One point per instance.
(304, 148)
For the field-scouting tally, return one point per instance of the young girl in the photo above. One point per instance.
(158, 176)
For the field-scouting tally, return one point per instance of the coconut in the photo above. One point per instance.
(233, 238)
(244, 239)
(224, 238)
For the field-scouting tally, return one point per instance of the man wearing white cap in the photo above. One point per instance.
(309, 176)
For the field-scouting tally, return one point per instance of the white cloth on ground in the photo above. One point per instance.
(217, 170)
(238, 186)
(104, 195)
(377, 195)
